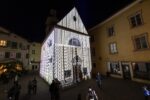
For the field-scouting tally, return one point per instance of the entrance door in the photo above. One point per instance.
(126, 71)
(76, 73)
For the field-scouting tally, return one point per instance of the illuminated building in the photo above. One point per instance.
(65, 53)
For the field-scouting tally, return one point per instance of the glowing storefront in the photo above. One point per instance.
(65, 53)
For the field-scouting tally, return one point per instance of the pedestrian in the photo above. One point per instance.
(10, 94)
(30, 87)
(34, 83)
(52, 90)
(91, 95)
(57, 89)
(146, 92)
(99, 80)
(16, 78)
(17, 90)
(79, 96)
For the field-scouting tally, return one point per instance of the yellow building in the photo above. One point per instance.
(121, 44)
(35, 55)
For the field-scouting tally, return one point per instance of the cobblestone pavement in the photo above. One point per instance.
(113, 89)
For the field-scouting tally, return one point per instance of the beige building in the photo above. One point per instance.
(13, 48)
(121, 44)
(35, 55)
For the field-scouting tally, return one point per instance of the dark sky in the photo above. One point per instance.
(27, 17)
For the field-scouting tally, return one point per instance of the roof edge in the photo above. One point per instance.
(116, 14)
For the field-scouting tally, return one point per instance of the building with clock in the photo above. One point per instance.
(65, 53)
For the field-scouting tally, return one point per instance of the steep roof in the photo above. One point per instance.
(73, 21)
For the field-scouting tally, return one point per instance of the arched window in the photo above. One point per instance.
(74, 42)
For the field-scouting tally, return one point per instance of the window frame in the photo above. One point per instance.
(14, 45)
(3, 43)
(139, 37)
(136, 22)
(137, 70)
(7, 54)
(110, 50)
(114, 65)
(110, 33)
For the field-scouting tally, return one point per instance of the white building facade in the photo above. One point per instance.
(65, 54)
(13, 47)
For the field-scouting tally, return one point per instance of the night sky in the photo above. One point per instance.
(27, 17)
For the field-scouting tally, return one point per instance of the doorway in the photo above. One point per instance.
(77, 73)
(126, 71)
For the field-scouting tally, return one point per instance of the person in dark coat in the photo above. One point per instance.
(10, 94)
(79, 96)
(17, 90)
(57, 89)
(52, 90)
(34, 85)
(30, 87)
(99, 80)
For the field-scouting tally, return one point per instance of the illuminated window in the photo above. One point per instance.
(136, 20)
(3, 43)
(141, 42)
(113, 48)
(114, 68)
(74, 42)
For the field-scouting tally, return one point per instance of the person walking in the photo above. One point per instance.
(57, 89)
(79, 97)
(146, 92)
(30, 87)
(91, 95)
(34, 82)
(52, 90)
(10, 94)
(99, 80)
(17, 89)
